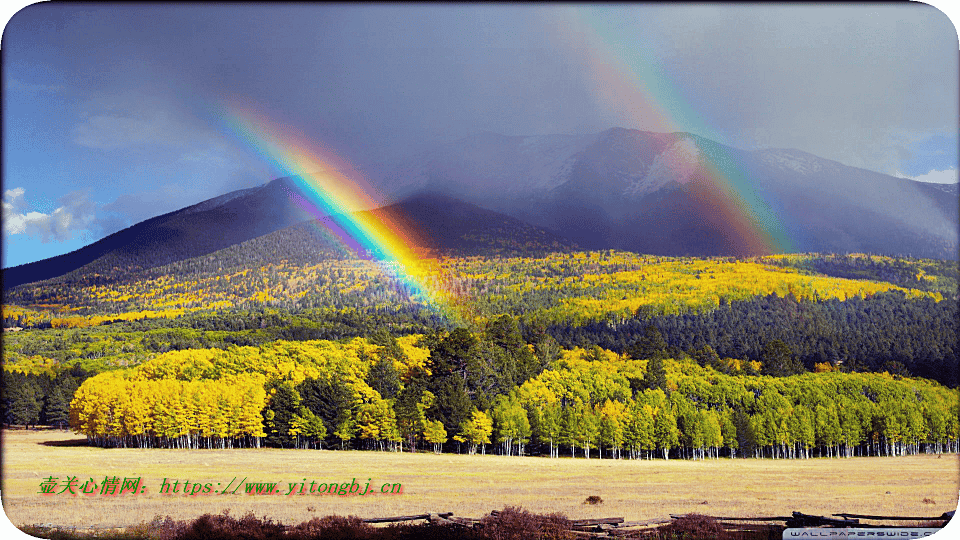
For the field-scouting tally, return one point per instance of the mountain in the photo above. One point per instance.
(657, 193)
(262, 224)
(452, 227)
(682, 194)
(189, 232)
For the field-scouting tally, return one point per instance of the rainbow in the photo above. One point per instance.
(334, 192)
(625, 80)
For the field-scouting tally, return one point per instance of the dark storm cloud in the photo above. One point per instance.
(370, 81)
(377, 82)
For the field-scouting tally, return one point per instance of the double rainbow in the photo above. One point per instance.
(330, 189)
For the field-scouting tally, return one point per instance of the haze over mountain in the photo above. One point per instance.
(658, 193)
(626, 189)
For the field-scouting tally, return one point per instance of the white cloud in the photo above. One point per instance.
(948, 176)
(13, 200)
(75, 213)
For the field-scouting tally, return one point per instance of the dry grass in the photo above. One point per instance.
(466, 485)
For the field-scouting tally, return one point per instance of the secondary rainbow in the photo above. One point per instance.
(332, 190)
(626, 80)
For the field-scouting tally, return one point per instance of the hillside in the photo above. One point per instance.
(261, 226)
(600, 353)
(682, 194)
(190, 232)
(452, 227)
(875, 311)
(674, 194)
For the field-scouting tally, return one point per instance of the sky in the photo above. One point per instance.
(115, 113)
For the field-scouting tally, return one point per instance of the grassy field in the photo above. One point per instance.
(924, 485)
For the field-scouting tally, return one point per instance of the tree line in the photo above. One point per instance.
(460, 391)
(886, 332)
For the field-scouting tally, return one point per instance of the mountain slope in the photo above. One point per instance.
(260, 225)
(452, 227)
(681, 194)
(190, 232)
(657, 193)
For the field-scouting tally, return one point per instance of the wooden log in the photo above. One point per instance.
(591, 534)
(405, 518)
(800, 519)
(645, 523)
(596, 521)
(397, 518)
(891, 518)
(775, 518)
(751, 527)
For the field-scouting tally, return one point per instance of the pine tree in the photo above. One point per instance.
(56, 410)
(409, 413)
(655, 376)
(778, 360)
(383, 378)
(650, 345)
(284, 405)
(24, 400)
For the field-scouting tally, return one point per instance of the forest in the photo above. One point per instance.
(581, 354)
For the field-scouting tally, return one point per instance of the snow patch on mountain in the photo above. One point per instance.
(791, 160)
(547, 160)
(677, 163)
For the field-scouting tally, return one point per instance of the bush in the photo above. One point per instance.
(518, 524)
(333, 528)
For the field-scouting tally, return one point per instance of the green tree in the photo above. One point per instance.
(283, 405)
(434, 434)
(308, 428)
(570, 420)
(665, 432)
(589, 427)
(545, 424)
(612, 417)
(650, 345)
(638, 431)
(778, 360)
(383, 377)
(452, 404)
(409, 409)
(333, 401)
(511, 423)
(706, 356)
(346, 430)
(656, 376)
(24, 403)
(728, 430)
(746, 436)
(56, 410)
(475, 431)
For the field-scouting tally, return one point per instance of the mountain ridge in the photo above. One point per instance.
(440, 225)
(601, 188)
(640, 191)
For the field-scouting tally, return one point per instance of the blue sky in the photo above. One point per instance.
(114, 113)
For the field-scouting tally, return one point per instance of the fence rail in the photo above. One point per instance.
(618, 526)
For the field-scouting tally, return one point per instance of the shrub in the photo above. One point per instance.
(518, 524)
